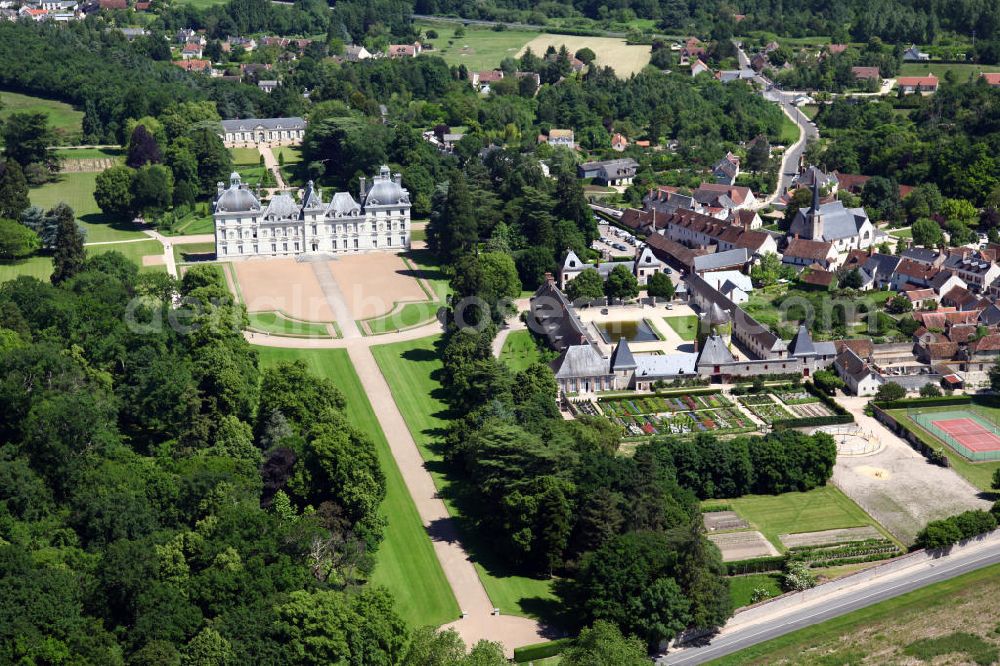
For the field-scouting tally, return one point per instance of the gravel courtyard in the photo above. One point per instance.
(897, 485)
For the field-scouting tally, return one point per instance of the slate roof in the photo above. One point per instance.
(282, 206)
(990, 315)
(717, 193)
(802, 343)
(974, 263)
(718, 278)
(881, 266)
(714, 352)
(853, 365)
(580, 361)
(838, 221)
(250, 124)
(665, 249)
(666, 365)
(622, 358)
(726, 259)
(942, 278)
(812, 176)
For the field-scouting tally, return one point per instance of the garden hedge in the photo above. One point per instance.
(757, 565)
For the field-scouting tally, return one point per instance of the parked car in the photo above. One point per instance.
(668, 270)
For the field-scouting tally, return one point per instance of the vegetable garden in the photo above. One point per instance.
(648, 415)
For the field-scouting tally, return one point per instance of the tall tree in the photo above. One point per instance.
(453, 230)
(16, 240)
(27, 137)
(142, 148)
(69, 255)
(13, 190)
(113, 191)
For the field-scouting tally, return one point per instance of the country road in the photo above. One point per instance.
(820, 607)
(807, 130)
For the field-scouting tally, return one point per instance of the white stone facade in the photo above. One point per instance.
(244, 227)
(269, 131)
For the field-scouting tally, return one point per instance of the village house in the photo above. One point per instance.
(975, 268)
(644, 266)
(729, 197)
(618, 142)
(609, 172)
(481, 81)
(267, 85)
(727, 169)
(737, 259)
(866, 73)
(803, 252)
(911, 272)
(194, 65)
(698, 66)
(558, 137)
(914, 54)
(667, 199)
(857, 373)
(748, 219)
(698, 230)
(356, 53)
(812, 177)
(924, 85)
(191, 50)
(991, 78)
(245, 227)
(404, 50)
(926, 256)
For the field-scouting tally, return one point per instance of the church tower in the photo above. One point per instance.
(815, 216)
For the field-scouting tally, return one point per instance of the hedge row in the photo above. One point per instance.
(541, 650)
(757, 565)
(941, 401)
(913, 438)
(839, 561)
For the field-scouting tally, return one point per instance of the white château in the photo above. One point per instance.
(246, 227)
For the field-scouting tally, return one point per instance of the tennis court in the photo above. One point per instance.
(973, 434)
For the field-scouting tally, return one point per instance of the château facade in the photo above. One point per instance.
(246, 227)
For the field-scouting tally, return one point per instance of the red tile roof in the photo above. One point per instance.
(800, 248)
(918, 81)
(738, 193)
(863, 347)
(713, 228)
(817, 277)
(865, 72)
(914, 269)
(992, 78)
(194, 65)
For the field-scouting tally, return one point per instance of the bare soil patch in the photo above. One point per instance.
(717, 521)
(373, 283)
(154, 260)
(285, 285)
(737, 546)
(829, 537)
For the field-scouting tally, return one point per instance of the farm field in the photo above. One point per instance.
(961, 70)
(406, 562)
(686, 327)
(38, 267)
(67, 121)
(912, 628)
(410, 368)
(480, 48)
(519, 350)
(611, 52)
(823, 508)
(77, 190)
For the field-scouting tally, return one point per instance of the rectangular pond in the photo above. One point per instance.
(633, 331)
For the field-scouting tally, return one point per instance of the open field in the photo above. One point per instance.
(39, 267)
(66, 120)
(519, 350)
(686, 327)
(896, 631)
(411, 370)
(820, 509)
(611, 52)
(277, 324)
(480, 48)
(741, 587)
(77, 190)
(962, 71)
(406, 562)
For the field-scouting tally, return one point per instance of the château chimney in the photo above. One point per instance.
(362, 186)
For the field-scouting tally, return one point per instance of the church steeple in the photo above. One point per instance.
(815, 216)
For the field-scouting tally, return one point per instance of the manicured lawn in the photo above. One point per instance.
(90, 153)
(824, 508)
(686, 327)
(901, 233)
(519, 350)
(978, 474)
(242, 156)
(480, 48)
(197, 224)
(39, 267)
(291, 154)
(418, 235)
(886, 629)
(77, 190)
(962, 70)
(741, 587)
(410, 315)
(192, 251)
(406, 562)
(411, 370)
(277, 324)
(133, 251)
(66, 120)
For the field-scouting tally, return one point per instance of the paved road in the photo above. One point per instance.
(807, 130)
(862, 595)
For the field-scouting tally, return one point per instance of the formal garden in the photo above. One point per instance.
(648, 415)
